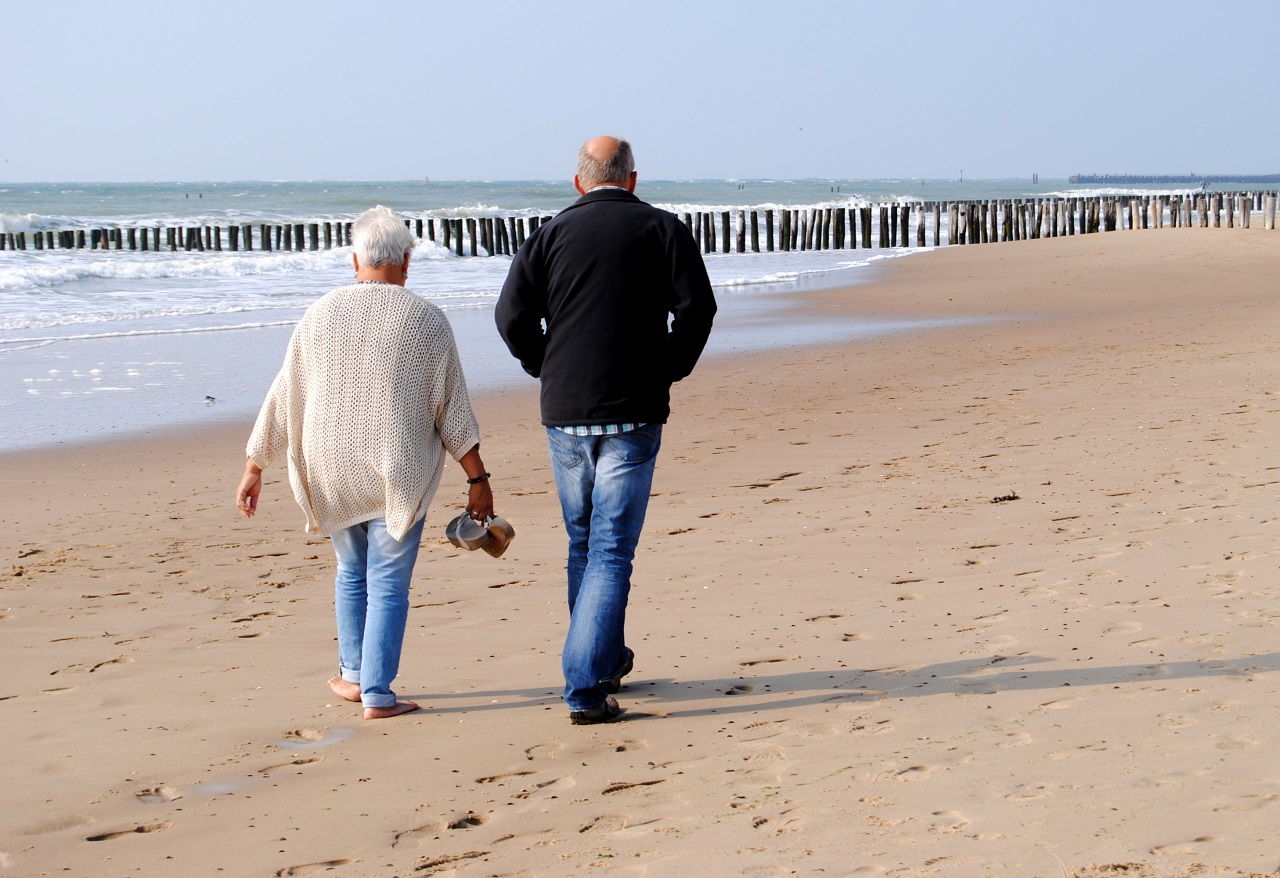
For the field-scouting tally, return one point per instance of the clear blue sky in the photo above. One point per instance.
(469, 90)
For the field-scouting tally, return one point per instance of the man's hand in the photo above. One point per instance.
(250, 488)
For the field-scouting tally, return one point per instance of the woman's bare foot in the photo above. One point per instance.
(344, 689)
(387, 712)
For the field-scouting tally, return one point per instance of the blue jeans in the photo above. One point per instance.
(371, 600)
(603, 483)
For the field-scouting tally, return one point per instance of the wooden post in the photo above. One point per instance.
(458, 236)
(1269, 212)
(768, 230)
(741, 231)
(233, 238)
(755, 232)
(724, 231)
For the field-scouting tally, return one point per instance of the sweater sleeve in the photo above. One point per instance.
(270, 434)
(455, 420)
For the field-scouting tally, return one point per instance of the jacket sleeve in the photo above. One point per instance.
(693, 304)
(522, 308)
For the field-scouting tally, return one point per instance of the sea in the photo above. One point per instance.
(110, 344)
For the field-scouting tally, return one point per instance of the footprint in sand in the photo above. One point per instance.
(543, 751)
(605, 823)
(309, 735)
(1026, 792)
(143, 828)
(499, 778)
(469, 820)
(1123, 628)
(1183, 848)
(307, 760)
(157, 795)
(767, 661)
(949, 822)
(415, 837)
(547, 786)
(914, 772)
(310, 868)
(446, 863)
(1250, 803)
(1236, 742)
(621, 786)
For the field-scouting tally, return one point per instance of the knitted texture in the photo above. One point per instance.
(370, 397)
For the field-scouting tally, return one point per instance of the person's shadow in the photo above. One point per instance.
(800, 688)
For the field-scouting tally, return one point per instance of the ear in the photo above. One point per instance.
(577, 184)
(631, 183)
(355, 260)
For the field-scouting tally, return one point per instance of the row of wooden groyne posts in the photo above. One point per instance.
(726, 231)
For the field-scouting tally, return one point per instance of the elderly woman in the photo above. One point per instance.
(370, 397)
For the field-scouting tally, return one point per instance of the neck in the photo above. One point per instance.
(386, 274)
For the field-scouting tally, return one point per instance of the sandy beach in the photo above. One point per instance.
(984, 600)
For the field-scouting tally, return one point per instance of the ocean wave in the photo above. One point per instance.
(56, 268)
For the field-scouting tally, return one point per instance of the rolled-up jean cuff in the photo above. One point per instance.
(349, 675)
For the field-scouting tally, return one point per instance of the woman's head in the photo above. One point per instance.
(379, 237)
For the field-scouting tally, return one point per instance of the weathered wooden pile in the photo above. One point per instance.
(916, 224)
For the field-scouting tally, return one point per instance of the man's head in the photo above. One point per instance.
(379, 237)
(605, 161)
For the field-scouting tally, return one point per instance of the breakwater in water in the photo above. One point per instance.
(876, 226)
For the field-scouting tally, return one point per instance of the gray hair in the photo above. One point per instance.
(618, 168)
(380, 237)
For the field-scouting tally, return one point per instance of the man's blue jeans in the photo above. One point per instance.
(371, 598)
(603, 483)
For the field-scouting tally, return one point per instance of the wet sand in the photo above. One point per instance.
(986, 599)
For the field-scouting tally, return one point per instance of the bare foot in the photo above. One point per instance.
(344, 689)
(387, 712)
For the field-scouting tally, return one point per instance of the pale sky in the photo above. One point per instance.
(501, 90)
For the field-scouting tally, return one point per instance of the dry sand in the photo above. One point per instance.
(857, 653)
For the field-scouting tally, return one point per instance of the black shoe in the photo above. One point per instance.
(614, 683)
(606, 711)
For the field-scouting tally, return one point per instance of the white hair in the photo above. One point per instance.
(380, 237)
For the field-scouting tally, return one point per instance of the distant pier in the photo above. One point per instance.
(1173, 179)
(876, 226)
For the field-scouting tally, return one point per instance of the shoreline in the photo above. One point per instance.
(855, 651)
(124, 387)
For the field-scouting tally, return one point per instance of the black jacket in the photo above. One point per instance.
(604, 276)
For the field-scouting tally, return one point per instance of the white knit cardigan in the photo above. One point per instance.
(370, 396)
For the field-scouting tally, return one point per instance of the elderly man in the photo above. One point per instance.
(370, 397)
(585, 308)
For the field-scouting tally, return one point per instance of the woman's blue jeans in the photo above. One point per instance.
(603, 483)
(371, 600)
